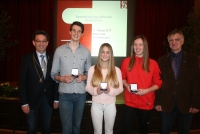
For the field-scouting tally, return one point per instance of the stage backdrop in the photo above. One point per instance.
(153, 18)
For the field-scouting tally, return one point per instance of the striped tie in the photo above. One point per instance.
(174, 66)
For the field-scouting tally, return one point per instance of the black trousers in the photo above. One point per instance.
(129, 117)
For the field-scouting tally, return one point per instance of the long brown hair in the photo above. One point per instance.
(111, 77)
(145, 64)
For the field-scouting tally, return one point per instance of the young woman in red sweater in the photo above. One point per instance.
(144, 73)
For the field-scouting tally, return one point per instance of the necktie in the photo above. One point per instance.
(43, 65)
(174, 66)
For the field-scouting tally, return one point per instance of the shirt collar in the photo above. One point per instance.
(67, 44)
(38, 54)
(178, 54)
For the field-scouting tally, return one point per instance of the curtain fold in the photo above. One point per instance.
(27, 16)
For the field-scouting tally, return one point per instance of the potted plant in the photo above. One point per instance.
(192, 33)
(5, 35)
(6, 89)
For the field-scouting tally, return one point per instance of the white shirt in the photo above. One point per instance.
(39, 58)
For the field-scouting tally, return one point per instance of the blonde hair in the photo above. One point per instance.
(145, 64)
(111, 77)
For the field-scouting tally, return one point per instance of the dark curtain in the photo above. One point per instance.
(26, 16)
(153, 18)
(156, 18)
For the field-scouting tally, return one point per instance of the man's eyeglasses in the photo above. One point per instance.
(39, 41)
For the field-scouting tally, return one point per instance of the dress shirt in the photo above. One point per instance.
(39, 58)
(63, 63)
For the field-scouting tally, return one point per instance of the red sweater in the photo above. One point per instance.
(144, 80)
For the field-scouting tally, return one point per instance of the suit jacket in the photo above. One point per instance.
(185, 90)
(31, 90)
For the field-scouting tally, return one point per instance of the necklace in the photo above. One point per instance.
(36, 63)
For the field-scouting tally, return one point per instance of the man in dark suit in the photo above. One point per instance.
(180, 91)
(37, 90)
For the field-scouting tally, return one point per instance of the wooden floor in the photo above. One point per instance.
(4, 131)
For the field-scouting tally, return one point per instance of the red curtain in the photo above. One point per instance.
(153, 18)
(26, 16)
(156, 18)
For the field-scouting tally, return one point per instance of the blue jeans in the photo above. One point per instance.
(32, 118)
(71, 108)
(184, 121)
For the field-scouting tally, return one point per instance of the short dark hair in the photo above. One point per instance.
(37, 32)
(78, 24)
(176, 31)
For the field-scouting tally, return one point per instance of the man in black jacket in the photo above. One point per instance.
(180, 91)
(37, 90)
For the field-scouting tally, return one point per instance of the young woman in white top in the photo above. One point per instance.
(103, 101)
